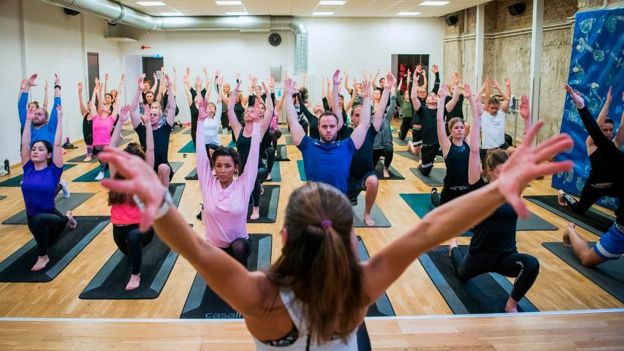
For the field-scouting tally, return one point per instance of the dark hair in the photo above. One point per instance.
(328, 113)
(229, 152)
(494, 100)
(495, 157)
(48, 147)
(34, 102)
(608, 120)
(454, 121)
(118, 198)
(303, 91)
(318, 263)
(354, 107)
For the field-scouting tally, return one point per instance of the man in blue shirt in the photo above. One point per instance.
(43, 128)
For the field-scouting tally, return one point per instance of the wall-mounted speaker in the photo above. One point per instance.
(517, 9)
(451, 20)
(70, 12)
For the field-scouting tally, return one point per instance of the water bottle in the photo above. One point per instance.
(7, 167)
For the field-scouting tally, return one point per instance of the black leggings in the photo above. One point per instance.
(406, 124)
(131, 241)
(263, 173)
(46, 228)
(275, 135)
(428, 154)
(96, 151)
(523, 267)
(387, 152)
(591, 193)
(447, 195)
(240, 250)
(270, 158)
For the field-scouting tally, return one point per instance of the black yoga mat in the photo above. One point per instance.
(17, 180)
(157, 262)
(377, 215)
(80, 159)
(400, 142)
(593, 220)
(486, 293)
(411, 156)
(382, 307)
(268, 205)
(288, 140)
(421, 205)
(16, 268)
(281, 153)
(394, 174)
(192, 175)
(175, 165)
(202, 302)
(62, 204)
(435, 178)
(609, 275)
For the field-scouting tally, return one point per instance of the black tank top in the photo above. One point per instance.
(457, 165)
(601, 167)
(243, 145)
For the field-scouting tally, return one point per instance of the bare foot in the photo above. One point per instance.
(452, 245)
(410, 147)
(42, 261)
(368, 220)
(71, 222)
(134, 282)
(87, 159)
(511, 306)
(255, 213)
(561, 198)
(566, 234)
(386, 173)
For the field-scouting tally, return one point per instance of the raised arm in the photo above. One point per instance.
(52, 123)
(187, 89)
(296, 130)
(100, 94)
(106, 78)
(25, 149)
(136, 120)
(436, 82)
(359, 133)
(234, 123)
(268, 114)
(46, 99)
(414, 93)
(600, 140)
(389, 87)
(336, 109)
(505, 94)
(442, 223)
(346, 81)
(453, 102)
(171, 105)
(443, 139)
(525, 113)
(204, 171)
(124, 114)
(83, 108)
(619, 138)
(120, 88)
(155, 85)
(57, 156)
(207, 86)
(22, 102)
(474, 159)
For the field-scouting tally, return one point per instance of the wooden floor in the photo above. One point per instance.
(558, 286)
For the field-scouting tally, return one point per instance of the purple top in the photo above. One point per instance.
(39, 188)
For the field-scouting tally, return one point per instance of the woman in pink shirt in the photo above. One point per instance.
(226, 197)
(125, 215)
(103, 121)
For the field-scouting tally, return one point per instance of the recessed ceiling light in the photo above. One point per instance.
(332, 2)
(408, 13)
(150, 3)
(434, 3)
(321, 13)
(170, 14)
(228, 3)
(239, 13)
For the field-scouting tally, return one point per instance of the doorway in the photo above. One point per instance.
(402, 63)
(152, 65)
(93, 70)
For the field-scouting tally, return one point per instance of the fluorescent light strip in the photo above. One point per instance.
(170, 14)
(150, 3)
(408, 13)
(228, 3)
(236, 13)
(434, 3)
(322, 13)
(332, 2)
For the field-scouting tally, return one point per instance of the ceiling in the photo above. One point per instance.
(303, 8)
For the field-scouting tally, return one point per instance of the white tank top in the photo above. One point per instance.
(295, 310)
(211, 128)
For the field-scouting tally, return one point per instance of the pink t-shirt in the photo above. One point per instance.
(102, 128)
(225, 210)
(124, 214)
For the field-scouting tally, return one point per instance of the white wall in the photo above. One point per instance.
(52, 43)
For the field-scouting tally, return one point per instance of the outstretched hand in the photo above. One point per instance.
(576, 97)
(390, 80)
(289, 86)
(32, 80)
(529, 162)
(608, 101)
(124, 113)
(140, 180)
(525, 110)
(365, 92)
(337, 80)
(57, 79)
(140, 81)
(435, 69)
(443, 92)
(203, 110)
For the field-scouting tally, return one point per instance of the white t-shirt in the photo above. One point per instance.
(492, 130)
(211, 128)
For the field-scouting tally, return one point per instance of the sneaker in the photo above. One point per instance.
(99, 176)
(66, 193)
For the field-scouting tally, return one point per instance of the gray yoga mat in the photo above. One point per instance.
(394, 174)
(399, 141)
(62, 204)
(281, 153)
(268, 205)
(609, 275)
(382, 307)
(192, 175)
(593, 220)
(378, 217)
(411, 156)
(435, 178)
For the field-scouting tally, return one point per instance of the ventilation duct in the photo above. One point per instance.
(118, 13)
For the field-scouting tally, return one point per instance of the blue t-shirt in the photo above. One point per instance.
(46, 132)
(327, 162)
(39, 188)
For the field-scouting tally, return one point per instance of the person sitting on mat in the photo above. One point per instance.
(317, 293)
(493, 244)
(225, 197)
(607, 166)
(602, 180)
(125, 215)
(43, 167)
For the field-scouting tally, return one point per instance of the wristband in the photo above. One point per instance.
(57, 87)
(164, 207)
